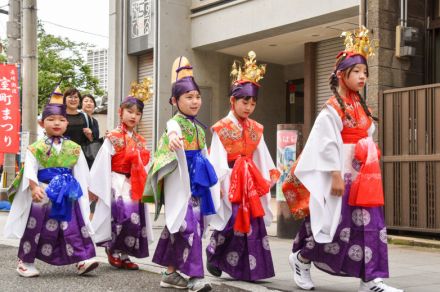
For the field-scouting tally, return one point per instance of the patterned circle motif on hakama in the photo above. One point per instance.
(27, 247)
(361, 217)
(252, 262)
(46, 249)
(51, 225)
(355, 253)
(344, 235)
(32, 222)
(232, 258)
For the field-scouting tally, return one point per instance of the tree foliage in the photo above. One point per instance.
(61, 60)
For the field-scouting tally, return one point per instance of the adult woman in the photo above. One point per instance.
(88, 105)
(77, 130)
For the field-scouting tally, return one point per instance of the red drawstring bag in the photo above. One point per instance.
(296, 194)
(366, 190)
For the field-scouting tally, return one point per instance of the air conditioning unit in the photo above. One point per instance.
(406, 37)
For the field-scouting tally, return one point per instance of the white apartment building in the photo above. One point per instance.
(97, 59)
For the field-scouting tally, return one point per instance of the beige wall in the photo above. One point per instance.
(294, 71)
(211, 69)
(228, 25)
(102, 121)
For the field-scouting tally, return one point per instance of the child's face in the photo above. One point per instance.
(356, 78)
(130, 116)
(189, 103)
(72, 101)
(54, 125)
(243, 108)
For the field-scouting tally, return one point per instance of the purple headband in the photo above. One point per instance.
(134, 100)
(350, 61)
(183, 85)
(52, 109)
(244, 89)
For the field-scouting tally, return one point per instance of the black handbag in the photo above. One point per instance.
(91, 149)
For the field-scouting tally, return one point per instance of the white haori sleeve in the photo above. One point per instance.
(21, 206)
(322, 154)
(265, 164)
(148, 222)
(219, 160)
(100, 185)
(82, 175)
(177, 189)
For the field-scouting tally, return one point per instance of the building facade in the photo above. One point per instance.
(98, 61)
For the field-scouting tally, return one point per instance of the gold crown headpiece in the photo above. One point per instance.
(249, 71)
(142, 91)
(358, 42)
(57, 96)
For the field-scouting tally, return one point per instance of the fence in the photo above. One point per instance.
(410, 140)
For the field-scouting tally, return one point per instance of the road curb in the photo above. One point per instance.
(412, 241)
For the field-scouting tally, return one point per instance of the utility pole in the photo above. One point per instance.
(30, 70)
(14, 57)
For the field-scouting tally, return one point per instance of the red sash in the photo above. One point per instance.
(130, 159)
(353, 135)
(246, 188)
(366, 190)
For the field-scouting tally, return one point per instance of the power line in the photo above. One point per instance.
(74, 29)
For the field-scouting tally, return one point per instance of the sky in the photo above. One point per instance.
(79, 20)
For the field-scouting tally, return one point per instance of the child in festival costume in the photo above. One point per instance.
(50, 205)
(240, 246)
(345, 234)
(180, 178)
(121, 221)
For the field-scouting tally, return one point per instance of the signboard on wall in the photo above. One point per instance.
(140, 18)
(287, 137)
(9, 109)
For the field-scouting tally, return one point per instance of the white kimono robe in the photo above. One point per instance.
(219, 159)
(102, 181)
(21, 206)
(177, 188)
(323, 153)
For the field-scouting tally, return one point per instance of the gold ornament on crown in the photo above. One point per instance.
(358, 42)
(249, 71)
(142, 91)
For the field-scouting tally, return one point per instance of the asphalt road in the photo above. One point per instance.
(64, 278)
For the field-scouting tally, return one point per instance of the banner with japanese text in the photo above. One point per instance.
(9, 109)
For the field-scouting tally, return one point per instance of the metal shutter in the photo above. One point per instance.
(146, 125)
(325, 61)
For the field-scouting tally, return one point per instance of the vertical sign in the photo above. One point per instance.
(140, 17)
(9, 109)
(286, 155)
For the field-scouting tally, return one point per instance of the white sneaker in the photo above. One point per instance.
(86, 266)
(199, 285)
(377, 285)
(301, 272)
(27, 270)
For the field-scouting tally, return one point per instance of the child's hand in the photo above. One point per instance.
(337, 184)
(175, 141)
(37, 194)
(92, 197)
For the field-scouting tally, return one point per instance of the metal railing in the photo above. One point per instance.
(410, 142)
